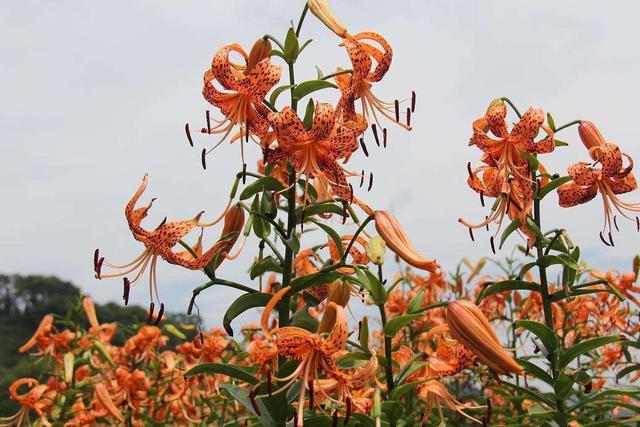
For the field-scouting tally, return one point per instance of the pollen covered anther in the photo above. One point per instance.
(160, 313)
(151, 310)
(364, 147)
(188, 132)
(126, 290)
(374, 129)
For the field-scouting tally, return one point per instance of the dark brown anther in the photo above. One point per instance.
(204, 158)
(615, 222)
(489, 412)
(96, 258)
(359, 329)
(126, 290)
(188, 132)
(361, 178)
(493, 246)
(384, 137)
(208, 114)
(311, 394)
(638, 223)
(364, 147)
(408, 116)
(152, 307)
(370, 181)
(538, 187)
(482, 198)
(413, 102)
(164, 221)
(374, 128)
(244, 173)
(99, 267)
(486, 218)
(471, 234)
(526, 251)
(348, 414)
(160, 313)
(269, 388)
(469, 169)
(588, 387)
(603, 241)
(252, 398)
(302, 219)
(334, 423)
(350, 193)
(191, 303)
(397, 107)
(295, 419)
(344, 211)
(611, 239)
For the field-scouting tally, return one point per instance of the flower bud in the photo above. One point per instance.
(376, 249)
(397, 240)
(322, 11)
(590, 135)
(339, 292)
(260, 50)
(69, 358)
(103, 396)
(471, 328)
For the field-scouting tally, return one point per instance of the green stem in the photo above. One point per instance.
(355, 236)
(292, 82)
(288, 255)
(387, 342)
(566, 125)
(275, 40)
(515, 109)
(546, 303)
(301, 20)
(337, 73)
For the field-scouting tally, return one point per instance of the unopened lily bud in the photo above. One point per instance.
(339, 292)
(590, 135)
(69, 358)
(260, 50)
(397, 240)
(104, 397)
(636, 265)
(376, 249)
(322, 11)
(470, 327)
(233, 223)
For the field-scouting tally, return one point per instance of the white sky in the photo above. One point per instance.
(94, 94)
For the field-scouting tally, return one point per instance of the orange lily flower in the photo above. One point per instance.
(245, 85)
(313, 350)
(507, 173)
(102, 332)
(161, 241)
(611, 179)
(50, 341)
(39, 398)
(358, 85)
(315, 153)
(398, 241)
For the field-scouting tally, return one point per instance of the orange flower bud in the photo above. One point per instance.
(590, 135)
(397, 240)
(322, 11)
(260, 50)
(339, 292)
(471, 328)
(103, 396)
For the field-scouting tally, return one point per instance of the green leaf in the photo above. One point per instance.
(392, 409)
(507, 285)
(416, 301)
(564, 259)
(319, 209)
(266, 183)
(583, 347)
(376, 290)
(308, 114)
(277, 92)
(532, 394)
(174, 331)
(627, 371)
(394, 325)
(400, 391)
(536, 371)
(310, 86)
(533, 160)
(552, 123)
(611, 391)
(543, 332)
(303, 319)
(224, 369)
(559, 143)
(534, 228)
(292, 242)
(563, 386)
(364, 333)
(267, 263)
(242, 304)
(515, 224)
(291, 46)
(333, 235)
(242, 397)
(315, 279)
(552, 185)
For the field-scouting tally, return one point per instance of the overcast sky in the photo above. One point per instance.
(95, 94)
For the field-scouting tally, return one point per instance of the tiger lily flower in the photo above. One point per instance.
(161, 241)
(39, 398)
(437, 394)
(358, 85)
(246, 86)
(506, 174)
(315, 153)
(313, 350)
(50, 341)
(611, 179)
(103, 396)
(468, 325)
(102, 332)
(398, 241)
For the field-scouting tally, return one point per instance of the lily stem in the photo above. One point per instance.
(566, 125)
(387, 342)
